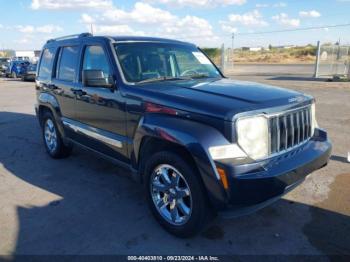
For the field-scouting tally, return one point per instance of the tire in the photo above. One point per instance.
(198, 213)
(52, 138)
(14, 75)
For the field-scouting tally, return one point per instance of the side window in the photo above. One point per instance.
(67, 64)
(46, 63)
(95, 59)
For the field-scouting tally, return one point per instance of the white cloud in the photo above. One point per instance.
(70, 4)
(276, 5)
(48, 29)
(312, 13)
(283, 19)
(87, 19)
(280, 4)
(115, 30)
(27, 29)
(45, 29)
(262, 5)
(1, 26)
(189, 27)
(117, 21)
(228, 28)
(141, 13)
(197, 3)
(253, 18)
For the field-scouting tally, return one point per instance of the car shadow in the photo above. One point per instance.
(339, 159)
(298, 78)
(85, 205)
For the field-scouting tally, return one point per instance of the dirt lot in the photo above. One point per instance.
(85, 205)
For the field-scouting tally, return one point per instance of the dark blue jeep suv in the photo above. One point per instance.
(200, 143)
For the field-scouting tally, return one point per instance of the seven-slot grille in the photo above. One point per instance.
(289, 129)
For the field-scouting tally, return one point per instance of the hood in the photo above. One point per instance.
(222, 98)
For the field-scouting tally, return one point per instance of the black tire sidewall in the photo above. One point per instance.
(199, 208)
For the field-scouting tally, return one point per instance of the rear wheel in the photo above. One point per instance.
(175, 194)
(52, 138)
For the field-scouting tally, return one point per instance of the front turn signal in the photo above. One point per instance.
(223, 177)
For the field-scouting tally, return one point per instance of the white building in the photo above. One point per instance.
(32, 56)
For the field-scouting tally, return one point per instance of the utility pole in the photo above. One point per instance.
(223, 59)
(232, 48)
(233, 38)
(91, 28)
(317, 65)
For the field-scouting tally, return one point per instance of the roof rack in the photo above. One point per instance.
(69, 37)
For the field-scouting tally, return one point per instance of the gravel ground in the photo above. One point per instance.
(85, 205)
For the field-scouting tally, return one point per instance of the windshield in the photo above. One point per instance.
(144, 62)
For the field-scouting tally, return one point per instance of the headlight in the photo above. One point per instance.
(226, 152)
(253, 137)
(313, 119)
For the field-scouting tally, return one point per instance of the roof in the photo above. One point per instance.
(150, 39)
(116, 39)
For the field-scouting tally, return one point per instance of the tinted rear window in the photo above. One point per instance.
(68, 63)
(46, 63)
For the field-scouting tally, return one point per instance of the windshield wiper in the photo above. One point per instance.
(163, 78)
(198, 76)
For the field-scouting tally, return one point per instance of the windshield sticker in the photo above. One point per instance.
(201, 58)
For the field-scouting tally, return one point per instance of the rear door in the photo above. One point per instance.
(64, 80)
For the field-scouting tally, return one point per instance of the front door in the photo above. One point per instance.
(101, 110)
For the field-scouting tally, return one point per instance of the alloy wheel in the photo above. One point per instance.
(171, 194)
(50, 135)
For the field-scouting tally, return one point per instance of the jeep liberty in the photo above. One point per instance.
(200, 143)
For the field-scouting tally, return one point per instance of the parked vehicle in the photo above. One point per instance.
(29, 73)
(200, 143)
(20, 58)
(16, 68)
(3, 64)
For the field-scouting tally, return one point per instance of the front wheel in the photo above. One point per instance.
(175, 194)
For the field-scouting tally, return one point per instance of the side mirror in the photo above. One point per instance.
(96, 78)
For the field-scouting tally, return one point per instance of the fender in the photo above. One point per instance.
(49, 101)
(193, 136)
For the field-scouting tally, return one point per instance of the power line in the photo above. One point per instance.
(185, 38)
(294, 30)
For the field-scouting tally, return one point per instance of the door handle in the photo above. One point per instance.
(50, 86)
(78, 92)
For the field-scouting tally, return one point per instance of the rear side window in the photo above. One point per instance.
(46, 63)
(67, 64)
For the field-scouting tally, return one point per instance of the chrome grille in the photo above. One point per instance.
(289, 129)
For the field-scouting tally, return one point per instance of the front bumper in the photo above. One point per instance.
(254, 186)
(29, 76)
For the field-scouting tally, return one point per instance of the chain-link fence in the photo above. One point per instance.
(325, 60)
(227, 60)
(334, 60)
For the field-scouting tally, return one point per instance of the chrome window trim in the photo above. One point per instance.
(95, 135)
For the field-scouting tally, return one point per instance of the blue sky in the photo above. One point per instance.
(27, 24)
